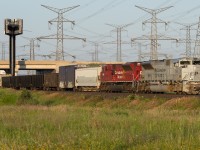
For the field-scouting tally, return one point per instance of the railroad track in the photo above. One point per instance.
(122, 95)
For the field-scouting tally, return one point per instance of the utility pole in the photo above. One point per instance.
(154, 37)
(197, 43)
(118, 29)
(60, 34)
(188, 41)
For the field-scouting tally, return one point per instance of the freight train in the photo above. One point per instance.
(155, 76)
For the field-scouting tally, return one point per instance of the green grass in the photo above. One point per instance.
(69, 127)
(58, 121)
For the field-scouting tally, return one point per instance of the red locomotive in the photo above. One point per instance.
(120, 77)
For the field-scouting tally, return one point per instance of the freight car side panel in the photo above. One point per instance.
(6, 82)
(87, 77)
(37, 81)
(67, 77)
(24, 81)
(51, 81)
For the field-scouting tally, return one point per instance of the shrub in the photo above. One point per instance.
(26, 98)
(131, 97)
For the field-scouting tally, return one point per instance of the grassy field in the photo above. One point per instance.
(56, 121)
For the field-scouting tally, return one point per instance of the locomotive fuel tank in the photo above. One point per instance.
(161, 87)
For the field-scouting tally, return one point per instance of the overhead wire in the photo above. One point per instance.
(84, 6)
(106, 7)
(53, 45)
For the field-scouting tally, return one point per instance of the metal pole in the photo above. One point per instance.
(12, 54)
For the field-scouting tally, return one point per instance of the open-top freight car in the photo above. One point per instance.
(48, 81)
(37, 82)
(6, 81)
(51, 81)
(120, 77)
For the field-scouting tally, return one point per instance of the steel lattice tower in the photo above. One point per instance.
(154, 21)
(3, 51)
(197, 42)
(32, 46)
(60, 36)
(188, 41)
(119, 29)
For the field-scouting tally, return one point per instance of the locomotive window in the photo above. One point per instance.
(126, 67)
(147, 66)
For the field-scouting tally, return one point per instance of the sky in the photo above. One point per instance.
(91, 19)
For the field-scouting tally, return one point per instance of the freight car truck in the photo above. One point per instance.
(87, 79)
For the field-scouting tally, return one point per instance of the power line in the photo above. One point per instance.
(109, 5)
(183, 14)
(84, 6)
(32, 46)
(55, 46)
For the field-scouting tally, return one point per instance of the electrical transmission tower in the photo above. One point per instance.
(3, 57)
(197, 43)
(60, 34)
(32, 46)
(154, 37)
(139, 48)
(119, 30)
(95, 54)
(188, 41)
(140, 54)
